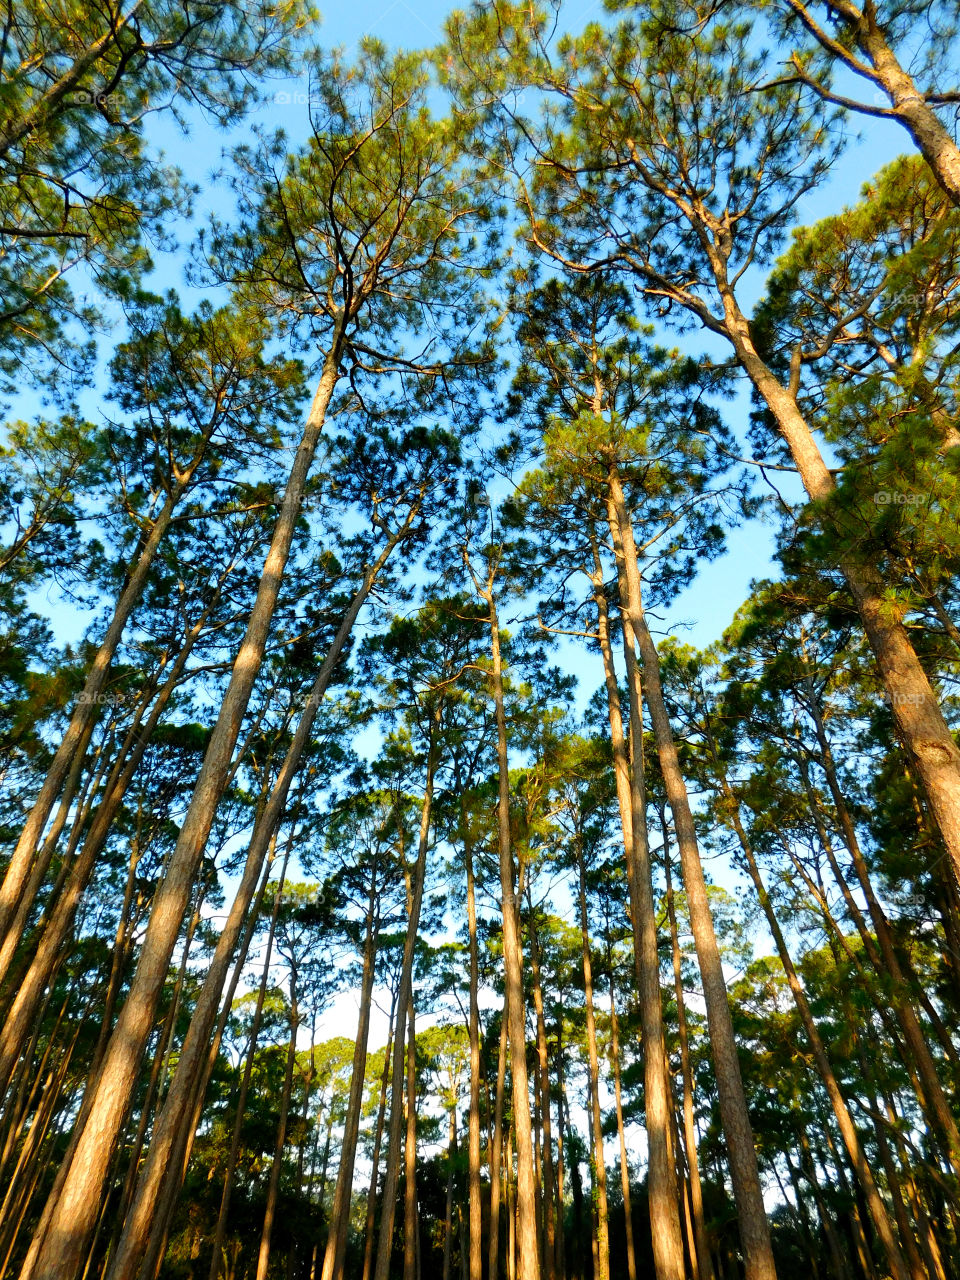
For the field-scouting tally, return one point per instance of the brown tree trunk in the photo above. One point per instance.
(908, 104)
(410, 1155)
(496, 1155)
(527, 1244)
(201, 1025)
(448, 1213)
(370, 1224)
(923, 730)
(661, 1176)
(745, 1174)
(336, 1249)
(60, 1251)
(404, 996)
(475, 1214)
(621, 1135)
(234, 1153)
(704, 1265)
(273, 1189)
(599, 1169)
(543, 1078)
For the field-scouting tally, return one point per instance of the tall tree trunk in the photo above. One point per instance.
(410, 1155)
(748, 1194)
(448, 1213)
(599, 1169)
(661, 1171)
(208, 1003)
(848, 1131)
(59, 1253)
(335, 1253)
(549, 1204)
(496, 1150)
(233, 1156)
(527, 1243)
(621, 1135)
(369, 1229)
(704, 1266)
(404, 996)
(475, 1214)
(273, 1189)
(922, 728)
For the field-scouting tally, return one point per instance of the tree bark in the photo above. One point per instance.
(661, 1176)
(748, 1194)
(527, 1244)
(62, 1247)
(404, 996)
(475, 1214)
(335, 1253)
(704, 1265)
(599, 1170)
(273, 1189)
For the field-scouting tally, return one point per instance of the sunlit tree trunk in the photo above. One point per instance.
(548, 1190)
(404, 996)
(59, 1251)
(599, 1169)
(273, 1188)
(745, 1174)
(410, 1155)
(662, 1187)
(475, 1210)
(704, 1265)
(527, 1243)
(340, 1212)
(496, 1155)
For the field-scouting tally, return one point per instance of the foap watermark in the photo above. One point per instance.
(894, 498)
(903, 699)
(92, 98)
(102, 699)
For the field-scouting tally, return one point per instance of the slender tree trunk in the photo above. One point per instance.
(549, 1205)
(527, 1244)
(208, 1003)
(745, 1174)
(621, 1135)
(333, 1258)
(661, 1172)
(410, 1155)
(448, 1215)
(273, 1189)
(58, 1254)
(375, 1159)
(496, 1150)
(599, 1170)
(704, 1266)
(404, 996)
(475, 1214)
